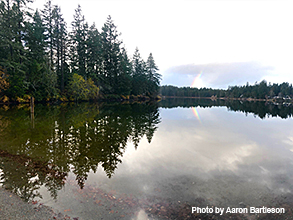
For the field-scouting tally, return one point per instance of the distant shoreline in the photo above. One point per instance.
(216, 98)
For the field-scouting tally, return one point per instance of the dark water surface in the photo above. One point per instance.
(150, 161)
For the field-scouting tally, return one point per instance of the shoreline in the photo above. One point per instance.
(109, 98)
(225, 98)
(13, 207)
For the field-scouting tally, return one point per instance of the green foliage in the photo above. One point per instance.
(12, 52)
(139, 82)
(92, 88)
(82, 89)
(94, 58)
(4, 85)
(16, 88)
(153, 76)
(40, 80)
(260, 90)
(34, 54)
(60, 46)
(78, 38)
(111, 56)
(124, 79)
(47, 14)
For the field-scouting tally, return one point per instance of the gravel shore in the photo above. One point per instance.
(13, 208)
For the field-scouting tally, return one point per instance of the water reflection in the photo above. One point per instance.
(226, 160)
(76, 138)
(173, 158)
(259, 109)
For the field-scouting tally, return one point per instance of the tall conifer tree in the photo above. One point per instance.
(13, 14)
(94, 58)
(153, 76)
(60, 47)
(47, 14)
(78, 46)
(124, 80)
(111, 56)
(139, 82)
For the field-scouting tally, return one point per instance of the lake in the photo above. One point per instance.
(151, 161)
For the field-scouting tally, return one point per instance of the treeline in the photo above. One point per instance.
(39, 57)
(168, 90)
(258, 109)
(262, 90)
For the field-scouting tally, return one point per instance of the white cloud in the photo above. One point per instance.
(198, 32)
(219, 75)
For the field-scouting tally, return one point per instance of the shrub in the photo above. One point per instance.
(81, 89)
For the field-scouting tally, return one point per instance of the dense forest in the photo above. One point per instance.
(261, 90)
(40, 58)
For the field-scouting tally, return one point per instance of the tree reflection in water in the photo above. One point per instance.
(260, 109)
(79, 138)
(64, 138)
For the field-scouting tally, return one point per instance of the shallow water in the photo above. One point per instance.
(150, 161)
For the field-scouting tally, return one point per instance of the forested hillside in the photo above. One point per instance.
(39, 57)
(262, 90)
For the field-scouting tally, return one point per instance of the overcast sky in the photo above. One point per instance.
(228, 42)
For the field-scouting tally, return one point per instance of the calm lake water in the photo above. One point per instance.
(150, 161)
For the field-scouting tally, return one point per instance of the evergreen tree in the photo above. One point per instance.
(153, 76)
(60, 46)
(40, 79)
(13, 14)
(94, 58)
(47, 14)
(111, 57)
(35, 39)
(124, 79)
(78, 46)
(35, 42)
(34, 55)
(139, 82)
